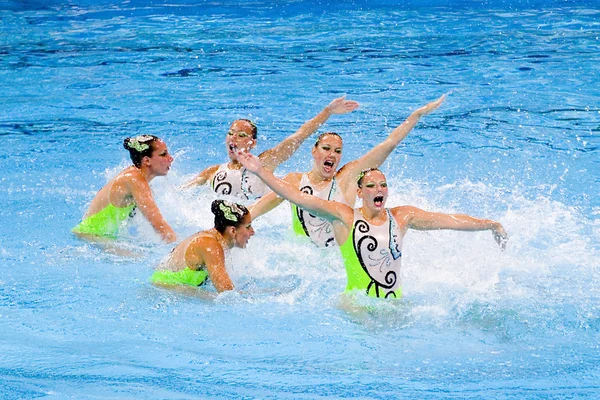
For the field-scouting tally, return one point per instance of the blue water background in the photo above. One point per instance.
(517, 141)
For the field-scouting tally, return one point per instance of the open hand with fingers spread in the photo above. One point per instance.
(342, 106)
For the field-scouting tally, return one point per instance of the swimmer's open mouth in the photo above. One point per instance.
(328, 163)
(378, 200)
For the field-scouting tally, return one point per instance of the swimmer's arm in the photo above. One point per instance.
(329, 210)
(415, 218)
(284, 150)
(272, 200)
(376, 156)
(214, 260)
(202, 177)
(140, 190)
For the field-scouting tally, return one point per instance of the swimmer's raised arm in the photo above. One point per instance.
(415, 218)
(284, 150)
(375, 157)
(330, 210)
(272, 200)
(142, 195)
(202, 177)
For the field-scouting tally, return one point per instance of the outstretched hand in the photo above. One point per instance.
(342, 106)
(500, 235)
(431, 107)
(249, 161)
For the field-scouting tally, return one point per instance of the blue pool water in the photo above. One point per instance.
(517, 141)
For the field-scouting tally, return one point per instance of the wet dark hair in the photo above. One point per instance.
(139, 147)
(362, 174)
(227, 214)
(254, 130)
(322, 135)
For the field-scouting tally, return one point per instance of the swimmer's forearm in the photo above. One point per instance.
(425, 220)
(265, 205)
(202, 178)
(321, 208)
(337, 106)
(284, 150)
(375, 157)
(468, 223)
(409, 123)
(197, 181)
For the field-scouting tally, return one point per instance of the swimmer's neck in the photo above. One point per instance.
(373, 216)
(145, 172)
(316, 178)
(226, 243)
(234, 164)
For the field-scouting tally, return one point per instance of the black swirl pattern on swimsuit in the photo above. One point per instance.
(373, 267)
(300, 212)
(246, 187)
(219, 185)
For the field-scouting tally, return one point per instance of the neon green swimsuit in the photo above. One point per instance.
(183, 277)
(106, 222)
(372, 257)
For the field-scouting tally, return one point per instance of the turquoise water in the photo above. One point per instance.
(517, 141)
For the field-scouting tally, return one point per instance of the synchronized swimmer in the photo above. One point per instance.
(128, 191)
(370, 237)
(323, 205)
(202, 256)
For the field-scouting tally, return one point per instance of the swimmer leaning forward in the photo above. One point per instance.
(130, 190)
(201, 257)
(370, 237)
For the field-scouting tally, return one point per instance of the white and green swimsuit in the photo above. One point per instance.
(240, 183)
(373, 256)
(319, 230)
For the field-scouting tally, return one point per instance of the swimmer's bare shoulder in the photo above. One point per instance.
(293, 177)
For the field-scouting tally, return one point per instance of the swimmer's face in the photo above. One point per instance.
(374, 190)
(239, 137)
(243, 233)
(161, 160)
(328, 154)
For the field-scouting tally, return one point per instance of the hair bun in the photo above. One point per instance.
(214, 207)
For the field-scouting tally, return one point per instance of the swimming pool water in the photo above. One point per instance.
(516, 140)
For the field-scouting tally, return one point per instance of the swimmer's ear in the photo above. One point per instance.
(231, 230)
(359, 192)
(146, 160)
